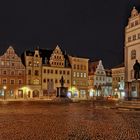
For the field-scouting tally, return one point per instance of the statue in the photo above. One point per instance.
(62, 81)
(136, 68)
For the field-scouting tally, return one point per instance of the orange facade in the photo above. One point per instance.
(12, 75)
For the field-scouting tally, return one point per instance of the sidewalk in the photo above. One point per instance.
(131, 105)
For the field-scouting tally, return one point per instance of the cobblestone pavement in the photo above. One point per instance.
(74, 121)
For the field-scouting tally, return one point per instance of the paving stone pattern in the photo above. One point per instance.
(74, 121)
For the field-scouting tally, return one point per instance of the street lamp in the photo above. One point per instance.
(4, 88)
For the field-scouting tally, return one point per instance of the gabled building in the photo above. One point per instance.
(12, 75)
(132, 53)
(44, 69)
(97, 78)
(55, 64)
(33, 64)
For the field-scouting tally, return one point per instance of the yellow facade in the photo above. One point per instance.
(79, 77)
(51, 74)
(45, 68)
(33, 64)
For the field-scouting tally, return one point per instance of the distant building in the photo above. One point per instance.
(33, 64)
(118, 76)
(79, 75)
(12, 75)
(99, 83)
(108, 85)
(55, 64)
(132, 53)
(44, 69)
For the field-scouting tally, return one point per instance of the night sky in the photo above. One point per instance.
(86, 28)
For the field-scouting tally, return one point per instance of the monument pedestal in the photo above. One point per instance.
(62, 92)
(135, 92)
(137, 83)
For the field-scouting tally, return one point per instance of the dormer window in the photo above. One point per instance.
(36, 55)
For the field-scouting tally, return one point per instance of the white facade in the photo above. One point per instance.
(132, 51)
(99, 80)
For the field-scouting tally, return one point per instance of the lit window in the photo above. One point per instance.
(2, 63)
(85, 75)
(77, 74)
(81, 74)
(74, 82)
(133, 54)
(74, 74)
(36, 81)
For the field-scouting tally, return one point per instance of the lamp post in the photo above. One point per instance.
(4, 88)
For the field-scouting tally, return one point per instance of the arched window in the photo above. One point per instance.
(133, 54)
